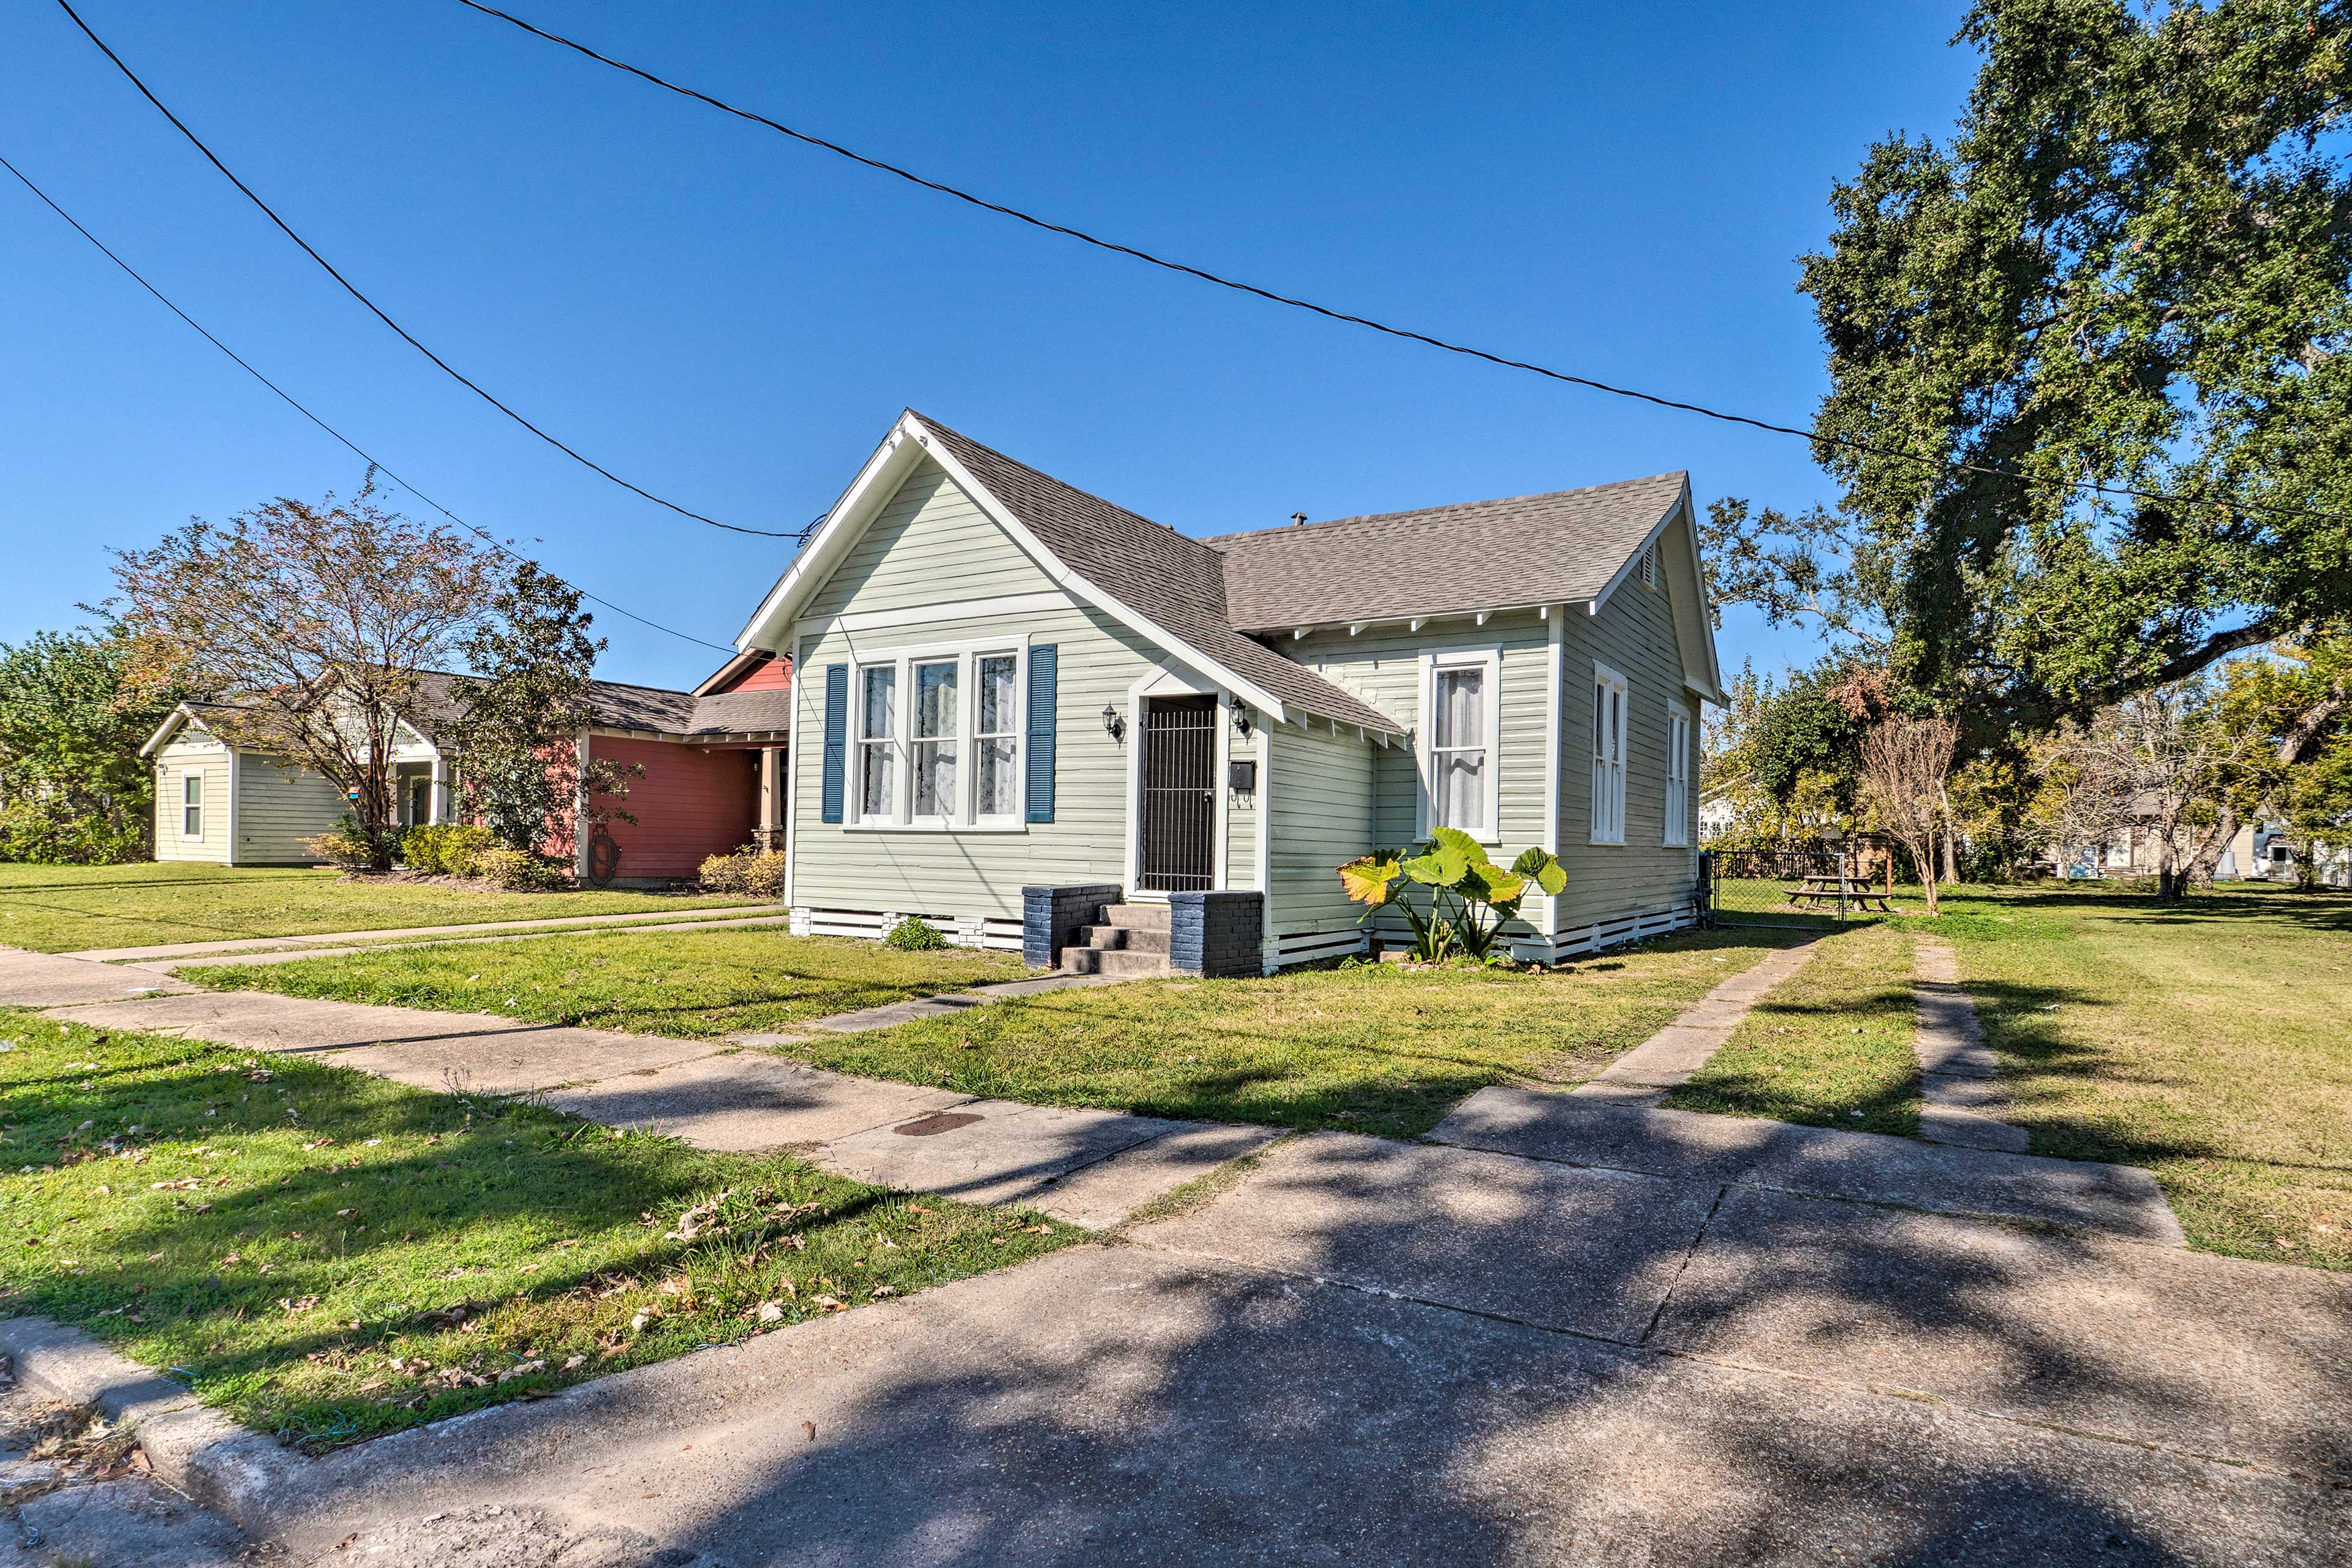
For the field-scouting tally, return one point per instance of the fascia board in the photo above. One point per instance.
(876, 481)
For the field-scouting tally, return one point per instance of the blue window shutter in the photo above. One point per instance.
(836, 736)
(1041, 733)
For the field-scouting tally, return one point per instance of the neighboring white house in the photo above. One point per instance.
(1009, 684)
(239, 807)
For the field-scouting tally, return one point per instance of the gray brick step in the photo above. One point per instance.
(1119, 962)
(1132, 939)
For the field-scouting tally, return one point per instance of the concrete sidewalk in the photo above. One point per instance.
(1089, 1167)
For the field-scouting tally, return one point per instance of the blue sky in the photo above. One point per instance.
(733, 320)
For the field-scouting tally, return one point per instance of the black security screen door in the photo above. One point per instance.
(1180, 795)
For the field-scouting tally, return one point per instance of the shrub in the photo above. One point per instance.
(914, 935)
(446, 849)
(747, 870)
(514, 870)
(347, 847)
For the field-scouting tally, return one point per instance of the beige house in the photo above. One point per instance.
(1014, 694)
(239, 808)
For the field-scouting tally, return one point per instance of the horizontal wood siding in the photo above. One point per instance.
(191, 753)
(1322, 815)
(692, 802)
(1382, 666)
(931, 545)
(953, 873)
(279, 805)
(1634, 636)
(1243, 813)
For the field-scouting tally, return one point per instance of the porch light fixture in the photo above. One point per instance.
(1114, 723)
(1242, 723)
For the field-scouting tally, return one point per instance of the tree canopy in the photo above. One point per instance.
(2131, 265)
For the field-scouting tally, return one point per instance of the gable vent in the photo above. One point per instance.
(1650, 567)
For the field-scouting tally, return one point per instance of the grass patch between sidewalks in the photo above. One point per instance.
(328, 1257)
(1832, 1047)
(70, 909)
(693, 985)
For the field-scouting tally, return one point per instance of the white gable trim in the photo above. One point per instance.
(1694, 628)
(907, 444)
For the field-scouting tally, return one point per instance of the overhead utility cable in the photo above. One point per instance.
(294, 403)
(1846, 443)
(378, 311)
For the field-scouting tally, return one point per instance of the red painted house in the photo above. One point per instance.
(713, 762)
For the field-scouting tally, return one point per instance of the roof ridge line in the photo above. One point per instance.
(1286, 530)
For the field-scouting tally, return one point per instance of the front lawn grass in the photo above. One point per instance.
(1370, 1048)
(69, 908)
(2209, 1040)
(328, 1257)
(1833, 1046)
(695, 986)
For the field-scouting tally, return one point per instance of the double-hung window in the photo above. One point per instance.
(1608, 755)
(1678, 766)
(935, 747)
(878, 742)
(939, 740)
(996, 776)
(1460, 696)
(191, 807)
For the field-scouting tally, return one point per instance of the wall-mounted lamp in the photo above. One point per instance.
(1244, 725)
(1114, 722)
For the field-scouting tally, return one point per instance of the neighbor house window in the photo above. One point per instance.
(961, 758)
(1608, 755)
(1678, 759)
(1459, 698)
(995, 773)
(191, 807)
(877, 736)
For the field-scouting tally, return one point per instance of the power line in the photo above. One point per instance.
(292, 403)
(377, 310)
(1844, 442)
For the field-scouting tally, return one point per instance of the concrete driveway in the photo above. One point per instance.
(1368, 1350)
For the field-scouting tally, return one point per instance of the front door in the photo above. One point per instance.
(1177, 845)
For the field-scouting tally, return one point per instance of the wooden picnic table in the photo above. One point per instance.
(1818, 887)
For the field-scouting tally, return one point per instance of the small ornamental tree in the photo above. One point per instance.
(1906, 763)
(516, 727)
(314, 621)
(1470, 897)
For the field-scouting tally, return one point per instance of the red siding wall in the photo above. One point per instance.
(692, 803)
(769, 674)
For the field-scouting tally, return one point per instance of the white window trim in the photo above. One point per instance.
(1489, 659)
(966, 656)
(197, 805)
(1679, 728)
(1612, 788)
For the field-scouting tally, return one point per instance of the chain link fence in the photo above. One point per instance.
(1810, 889)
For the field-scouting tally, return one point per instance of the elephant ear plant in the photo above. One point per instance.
(1470, 897)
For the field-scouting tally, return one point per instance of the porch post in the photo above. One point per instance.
(436, 800)
(772, 797)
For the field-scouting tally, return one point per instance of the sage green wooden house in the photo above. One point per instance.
(1009, 684)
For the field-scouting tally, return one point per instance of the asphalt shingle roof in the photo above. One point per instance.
(1176, 583)
(1555, 549)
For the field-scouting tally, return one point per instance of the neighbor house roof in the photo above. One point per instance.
(1563, 548)
(1177, 582)
(651, 710)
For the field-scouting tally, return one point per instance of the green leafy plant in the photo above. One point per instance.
(1470, 897)
(915, 934)
(445, 849)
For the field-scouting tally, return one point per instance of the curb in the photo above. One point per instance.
(194, 1450)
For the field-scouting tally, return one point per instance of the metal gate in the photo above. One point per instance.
(1806, 888)
(1176, 843)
